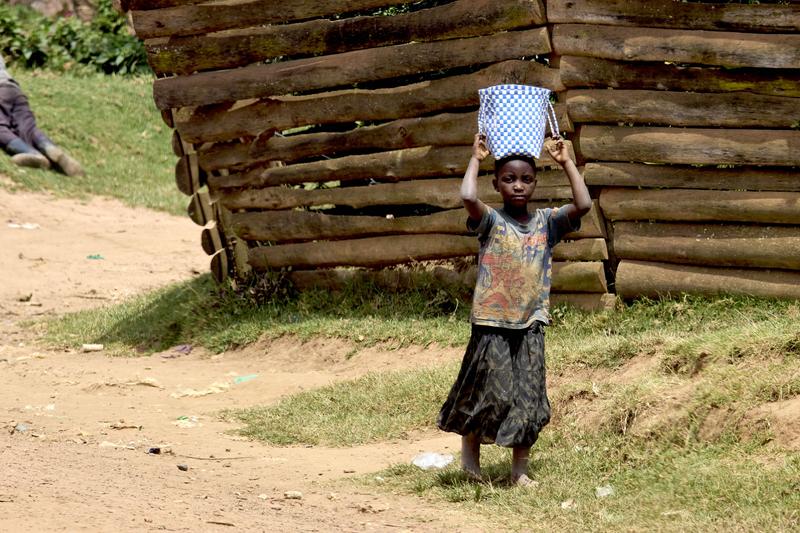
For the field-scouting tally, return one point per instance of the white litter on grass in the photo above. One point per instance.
(604, 492)
(432, 460)
(92, 348)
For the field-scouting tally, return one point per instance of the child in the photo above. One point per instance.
(27, 145)
(499, 395)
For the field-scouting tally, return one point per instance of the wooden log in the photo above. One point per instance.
(596, 72)
(653, 280)
(440, 192)
(294, 226)
(219, 123)
(211, 240)
(672, 177)
(220, 267)
(189, 177)
(726, 49)
(709, 244)
(579, 277)
(584, 301)
(371, 252)
(733, 110)
(199, 209)
(399, 279)
(188, 19)
(766, 18)
(448, 129)
(701, 206)
(384, 251)
(159, 4)
(359, 66)
(397, 165)
(690, 146)
(236, 48)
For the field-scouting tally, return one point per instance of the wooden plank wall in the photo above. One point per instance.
(687, 118)
(317, 135)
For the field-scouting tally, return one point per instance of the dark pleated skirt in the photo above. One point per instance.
(500, 392)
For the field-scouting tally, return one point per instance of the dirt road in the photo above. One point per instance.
(76, 428)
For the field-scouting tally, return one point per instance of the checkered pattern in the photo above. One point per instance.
(513, 119)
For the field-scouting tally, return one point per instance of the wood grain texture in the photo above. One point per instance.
(690, 145)
(219, 123)
(653, 280)
(678, 177)
(315, 73)
(732, 110)
(400, 279)
(447, 129)
(602, 73)
(701, 206)
(768, 18)
(396, 165)
(719, 245)
(182, 17)
(297, 226)
(727, 49)
(240, 47)
(376, 252)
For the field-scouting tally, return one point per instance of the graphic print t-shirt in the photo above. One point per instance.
(515, 265)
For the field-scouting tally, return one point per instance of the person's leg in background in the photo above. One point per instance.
(21, 152)
(26, 125)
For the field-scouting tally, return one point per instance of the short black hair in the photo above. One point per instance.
(498, 163)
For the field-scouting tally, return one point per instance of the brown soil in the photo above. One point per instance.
(80, 461)
(75, 428)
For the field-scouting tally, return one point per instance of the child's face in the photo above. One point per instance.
(515, 181)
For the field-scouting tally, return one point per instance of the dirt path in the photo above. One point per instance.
(75, 428)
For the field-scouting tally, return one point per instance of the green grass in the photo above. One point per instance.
(378, 406)
(656, 487)
(111, 125)
(218, 318)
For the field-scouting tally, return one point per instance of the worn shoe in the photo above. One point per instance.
(31, 160)
(69, 165)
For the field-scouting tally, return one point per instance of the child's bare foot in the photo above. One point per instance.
(525, 481)
(472, 474)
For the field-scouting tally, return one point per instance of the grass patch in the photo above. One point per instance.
(111, 125)
(379, 406)
(656, 487)
(219, 318)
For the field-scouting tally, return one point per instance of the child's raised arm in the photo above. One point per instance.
(581, 201)
(469, 186)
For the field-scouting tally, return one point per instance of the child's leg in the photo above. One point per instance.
(519, 467)
(471, 454)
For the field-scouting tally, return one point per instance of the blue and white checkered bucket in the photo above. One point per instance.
(513, 118)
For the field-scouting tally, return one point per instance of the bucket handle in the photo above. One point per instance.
(554, 132)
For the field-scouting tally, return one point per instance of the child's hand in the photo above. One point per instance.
(479, 150)
(557, 149)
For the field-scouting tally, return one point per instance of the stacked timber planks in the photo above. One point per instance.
(687, 117)
(318, 135)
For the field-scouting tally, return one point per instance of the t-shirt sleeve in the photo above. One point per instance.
(559, 225)
(481, 227)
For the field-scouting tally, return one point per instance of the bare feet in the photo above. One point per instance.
(473, 475)
(525, 481)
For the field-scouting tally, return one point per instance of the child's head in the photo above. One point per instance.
(515, 180)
